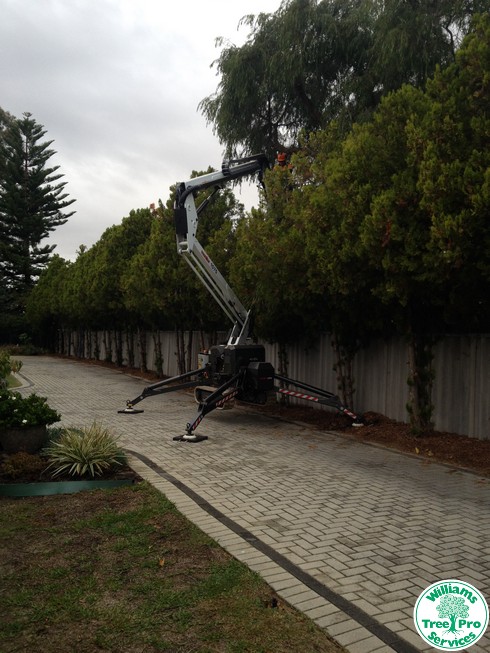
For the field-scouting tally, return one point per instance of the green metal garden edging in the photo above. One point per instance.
(57, 487)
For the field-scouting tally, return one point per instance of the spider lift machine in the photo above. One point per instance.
(236, 370)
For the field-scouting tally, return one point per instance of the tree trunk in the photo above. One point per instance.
(180, 353)
(344, 371)
(88, 345)
(118, 347)
(142, 345)
(420, 381)
(107, 341)
(453, 628)
(130, 347)
(190, 337)
(97, 346)
(284, 400)
(158, 353)
(61, 341)
(202, 341)
(80, 343)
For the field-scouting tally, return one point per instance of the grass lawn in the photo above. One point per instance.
(123, 571)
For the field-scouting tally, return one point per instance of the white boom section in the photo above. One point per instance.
(212, 279)
(186, 221)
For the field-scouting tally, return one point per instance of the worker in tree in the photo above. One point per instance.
(281, 159)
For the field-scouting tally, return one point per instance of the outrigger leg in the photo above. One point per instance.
(226, 392)
(167, 385)
(319, 396)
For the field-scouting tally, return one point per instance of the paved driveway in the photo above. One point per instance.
(346, 532)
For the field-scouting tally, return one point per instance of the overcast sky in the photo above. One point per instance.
(116, 84)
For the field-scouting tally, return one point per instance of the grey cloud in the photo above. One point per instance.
(116, 84)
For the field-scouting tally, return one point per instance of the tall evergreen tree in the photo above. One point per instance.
(32, 203)
(5, 119)
(313, 61)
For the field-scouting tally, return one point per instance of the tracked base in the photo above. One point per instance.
(190, 438)
(130, 411)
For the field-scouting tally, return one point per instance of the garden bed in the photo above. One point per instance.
(23, 474)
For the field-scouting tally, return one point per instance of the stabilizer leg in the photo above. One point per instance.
(215, 400)
(319, 396)
(167, 385)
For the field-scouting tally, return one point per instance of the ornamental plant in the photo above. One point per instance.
(88, 451)
(18, 411)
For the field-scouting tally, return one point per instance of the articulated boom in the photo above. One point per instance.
(237, 370)
(186, 222)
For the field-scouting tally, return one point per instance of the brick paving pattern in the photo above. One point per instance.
(372, 526)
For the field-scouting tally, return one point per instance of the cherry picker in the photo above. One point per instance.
(236, 370)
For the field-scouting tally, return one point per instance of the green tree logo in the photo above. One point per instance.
(451, 615)
(452, 607)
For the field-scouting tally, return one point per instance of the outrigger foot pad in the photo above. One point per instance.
(130, 411)
(190, 438)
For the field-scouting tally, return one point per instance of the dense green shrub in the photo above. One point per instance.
(19, 411)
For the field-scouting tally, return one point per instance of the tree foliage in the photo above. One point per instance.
(280, 81)
(453, 607)
(32, 204)
(32, 201)
(133, 278)
(6, 119)
(47, 307)
(395, 211)
(451, 147)
(313, 61)
(110, 257)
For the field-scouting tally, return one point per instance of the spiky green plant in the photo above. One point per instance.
(88, 451)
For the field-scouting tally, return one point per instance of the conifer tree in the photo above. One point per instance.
(32, 203)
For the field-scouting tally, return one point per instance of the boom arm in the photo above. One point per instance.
(237, 370)
(186, 220)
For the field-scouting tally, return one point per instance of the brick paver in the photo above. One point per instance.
(371, 526)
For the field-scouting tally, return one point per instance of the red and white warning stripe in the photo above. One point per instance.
(227, 397)
(299, 395)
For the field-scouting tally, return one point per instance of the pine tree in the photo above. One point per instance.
(32, 201)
